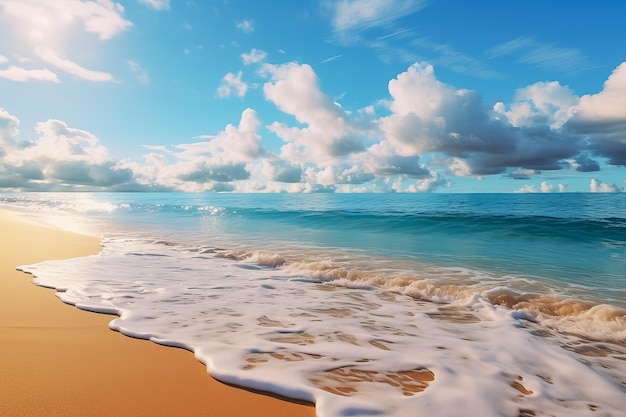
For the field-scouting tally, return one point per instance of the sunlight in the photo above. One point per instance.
(39, 25)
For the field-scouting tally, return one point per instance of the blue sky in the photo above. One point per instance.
(313, 96)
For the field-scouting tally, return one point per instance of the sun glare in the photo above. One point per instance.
(38, 26)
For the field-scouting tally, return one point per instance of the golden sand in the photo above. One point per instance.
(56, 360)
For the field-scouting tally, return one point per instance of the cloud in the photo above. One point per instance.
(597, 186)
(543, 103)
(73, 68)
(544, 187)
(412, 140)
(330, 59)
(3, 59)
(60, 158)
(157, 4)
(601, 118)
(282, 171)
(18, 74)
(543, 55)
(102, 17)
(327, 133)
(204, 173)
(142, 75)
(232, 85)
(428, 116)
(446, 56)
(202, 165)
(234, 144)
(607, 106)
(583, 163)
(523, 174)
(509, 47)
(253, 57)
(350, 17)
(246, 26)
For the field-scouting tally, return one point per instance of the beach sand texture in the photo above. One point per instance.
(56, 360)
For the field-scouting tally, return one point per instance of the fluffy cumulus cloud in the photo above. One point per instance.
(325, 132)
(543, 103)
(544, 187)
(253, 57)
(597, 186)
(232, 85)
(60, 158)
(601, 118)
(213, 164)
(423, 136)
(429, 116)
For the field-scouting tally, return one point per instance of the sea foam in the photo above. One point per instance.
(370, 350)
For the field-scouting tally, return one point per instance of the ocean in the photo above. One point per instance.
(366, 304)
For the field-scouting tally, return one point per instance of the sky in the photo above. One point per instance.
(313, 96)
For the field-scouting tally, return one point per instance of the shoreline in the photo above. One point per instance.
(59, 360)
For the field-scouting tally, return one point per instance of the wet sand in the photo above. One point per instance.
(56, 360)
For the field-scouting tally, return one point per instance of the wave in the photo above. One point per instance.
(577, 311)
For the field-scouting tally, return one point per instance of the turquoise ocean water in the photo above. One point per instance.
(367, 304)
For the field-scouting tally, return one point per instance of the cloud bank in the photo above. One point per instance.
(421, 137)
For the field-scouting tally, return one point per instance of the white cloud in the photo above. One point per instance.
(14, 73)
(282, 171)
(43, 19)
(157, 4)
(540, 104)
(3, 59)
(429, 184)
(234, 144)
(544, 187)
(328, 132)
(597, 186)
(431, 117)
(245, 26)
(8, 126)
(446, 56)
(601, 118)
(73, 68)
(543, 55)
(142, 75)
(429, 130)
(213, 165)
(232, 85)
(353, 16)
(330, 59)
(510, 47)
(609, 105)
(253, 57)
(60, 158)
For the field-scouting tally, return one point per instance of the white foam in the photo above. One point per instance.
(278, 331)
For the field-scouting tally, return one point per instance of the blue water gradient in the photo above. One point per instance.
(573, 239)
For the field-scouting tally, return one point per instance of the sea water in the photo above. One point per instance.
(366, 304)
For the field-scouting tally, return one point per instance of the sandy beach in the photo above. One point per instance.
(56, 360)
